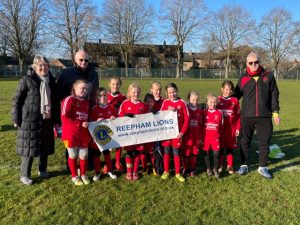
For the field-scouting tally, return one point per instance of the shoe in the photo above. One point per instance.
(135, 176)
(104, 171)
(85, 179)
(180, 178)
(145, 171)
(243, 170)
(192, 174)
(77, 181)
(216, 173)
(44, 174)
(165, 175)
(119, 167)
(97, 177)
(129, 176)
(230, 170)
(220, 170)
(264, 172)
(111, 175)
(26, 180)
(154, 172)
(209, 173)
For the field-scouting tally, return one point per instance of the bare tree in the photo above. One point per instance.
(73, 22)
(22, 20)
(279, 34)
(181, 20)
(127, 22)
(229, 28)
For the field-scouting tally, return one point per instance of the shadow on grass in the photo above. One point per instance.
(285, 166)
(5, 128)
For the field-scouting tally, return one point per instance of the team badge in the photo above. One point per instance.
(102, 134)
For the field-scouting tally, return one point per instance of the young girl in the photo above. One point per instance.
(193, 136)
(212, 121)
(115, 98)
(99, 112)
(75, 135)
(155, 90)
(231, 111)
(130, 107)
(149, 102)
(175, 103)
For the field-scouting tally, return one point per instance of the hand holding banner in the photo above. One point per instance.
(143, 128)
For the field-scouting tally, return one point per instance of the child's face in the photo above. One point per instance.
(134, 94)
(171, 93)
(81, 90)
(156, 91)
(226, 91)
(149, 103)
(194, 99)
(102, 97)
(114, 85)
(211, 103)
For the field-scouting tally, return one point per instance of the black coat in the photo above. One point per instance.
(35, 134)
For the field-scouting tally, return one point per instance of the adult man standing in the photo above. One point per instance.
(260, 102)
(80, 71)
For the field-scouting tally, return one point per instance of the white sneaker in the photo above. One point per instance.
(96, 177)
(111, 175)
(85, 179)
(77, 181)
(26, 180)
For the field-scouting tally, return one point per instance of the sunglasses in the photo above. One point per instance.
(85, 60)
(255, 62)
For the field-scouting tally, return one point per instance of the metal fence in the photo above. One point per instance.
(160, 73)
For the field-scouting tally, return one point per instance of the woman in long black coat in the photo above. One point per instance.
(35, 110)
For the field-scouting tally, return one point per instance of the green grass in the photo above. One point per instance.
(234, 199)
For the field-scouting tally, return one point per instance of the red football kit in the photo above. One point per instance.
(115, 99)
(231, 114)
(183, 119)
(193, 136)
(212, 121)
(74, 112)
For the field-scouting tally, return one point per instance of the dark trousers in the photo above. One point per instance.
(26, 164)
(264, 129)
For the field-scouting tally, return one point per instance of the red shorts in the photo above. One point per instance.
(211, 145)
(134, 147)
(81, 140)
(190, 150)
(149, 147)
(175, 143)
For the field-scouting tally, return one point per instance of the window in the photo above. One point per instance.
(110, 59)
(142, 59)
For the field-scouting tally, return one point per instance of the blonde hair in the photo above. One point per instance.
(131, 86)
(39, 58)
(192, 93)
(115, 78)
(77, 82)
(211, 95)
(157, 83)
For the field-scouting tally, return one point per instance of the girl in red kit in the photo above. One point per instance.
(193, 136)
(155, 90)
(175, 103)
(99, 112)
(130, 107)
(115, 98)
(231, 111)
(212, 121)
(75, 135)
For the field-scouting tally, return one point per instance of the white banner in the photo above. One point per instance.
(125, 131)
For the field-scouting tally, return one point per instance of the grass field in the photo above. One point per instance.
(234, 199)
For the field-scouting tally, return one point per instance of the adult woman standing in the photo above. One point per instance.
(35, 109)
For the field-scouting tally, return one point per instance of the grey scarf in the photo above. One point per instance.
(45, 97)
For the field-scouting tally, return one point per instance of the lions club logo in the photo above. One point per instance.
(102, 134)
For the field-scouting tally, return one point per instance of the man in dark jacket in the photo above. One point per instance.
(80, 71)
(260, 102)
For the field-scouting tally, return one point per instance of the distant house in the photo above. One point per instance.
(61, 63)
(202, 60)
(108, 55)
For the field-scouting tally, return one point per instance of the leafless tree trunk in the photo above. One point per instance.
(229, 28)
(125, 23)
(22, 20)
(181, 20)
(73, 21)
(280, 35)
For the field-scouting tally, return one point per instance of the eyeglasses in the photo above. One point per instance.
(255, 62)
(85, 60)
(42, 65)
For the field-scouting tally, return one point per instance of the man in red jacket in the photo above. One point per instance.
(260, 102)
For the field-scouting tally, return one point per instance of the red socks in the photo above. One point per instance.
(108, 162)
(230, 159)
(73, 166)
(129, 164)
(177, 164)
(118, 154)
(166, 162)
(136, 163)
(83, 166)
(144, 160)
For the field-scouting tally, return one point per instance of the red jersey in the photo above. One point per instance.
(135, 108)
(99, 111)
(212, 121)
(231, 112)
(115, 100)
(74, 112)
(157, 104)
(193, 135)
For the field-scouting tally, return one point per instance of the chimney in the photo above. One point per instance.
(100, 41)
